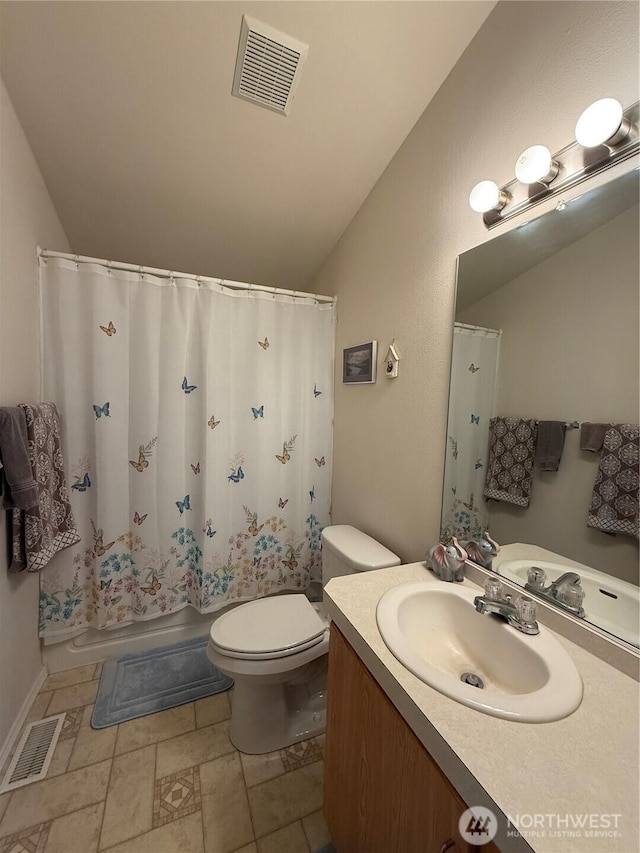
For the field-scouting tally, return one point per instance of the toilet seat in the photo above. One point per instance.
(268, 628)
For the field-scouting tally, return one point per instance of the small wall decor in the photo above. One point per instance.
(391, 360)
(359, 363)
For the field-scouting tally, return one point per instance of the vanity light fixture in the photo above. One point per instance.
(487, 196)
(606, 134)
(536, 166)
(602, 123)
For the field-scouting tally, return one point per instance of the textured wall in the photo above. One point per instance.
(524, 79)
(27, 217)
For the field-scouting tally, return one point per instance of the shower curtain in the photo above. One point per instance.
(197, 435)
(474, 372)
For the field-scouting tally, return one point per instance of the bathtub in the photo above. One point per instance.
(94, 646)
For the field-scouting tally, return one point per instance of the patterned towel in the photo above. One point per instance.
(512, 448)
(614, 505)
(40, 532)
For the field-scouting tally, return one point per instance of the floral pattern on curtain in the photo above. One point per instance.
(197, 434)
(474, 370)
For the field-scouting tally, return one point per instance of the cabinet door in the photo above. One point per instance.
(383, 792)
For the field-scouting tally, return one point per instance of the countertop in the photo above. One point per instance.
(583, 768)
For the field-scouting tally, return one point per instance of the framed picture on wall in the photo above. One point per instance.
(359, 363)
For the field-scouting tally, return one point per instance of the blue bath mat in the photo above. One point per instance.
(139, 684)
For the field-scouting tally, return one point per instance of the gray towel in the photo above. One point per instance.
(614, 504)
(40, 532)
(512, 447)
(550, 444)
(19, 489)
(592, 436)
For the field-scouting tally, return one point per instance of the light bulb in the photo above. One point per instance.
(603, 123)
(536, 165)
(486, 196)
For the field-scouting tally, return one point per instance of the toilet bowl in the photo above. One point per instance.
(276, 650)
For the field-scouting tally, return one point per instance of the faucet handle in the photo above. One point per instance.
(492, 589)
(527, 609)
(573, 595)
(536, 577)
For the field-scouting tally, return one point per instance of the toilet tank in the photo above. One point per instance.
(346, 550)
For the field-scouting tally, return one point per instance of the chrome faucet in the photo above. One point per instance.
(565, 592)
(520, 614)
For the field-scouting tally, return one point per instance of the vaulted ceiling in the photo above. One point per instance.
(148, 158)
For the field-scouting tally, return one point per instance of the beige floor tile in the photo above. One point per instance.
(30, 840)
(60, 761)
(154, 728)
(87, 713)
(286, 798)
(77, 832)
(72, 722)
(69, 677)
(321, 740)
(193, 748)
(181, 836)
(289, 839)
(299, 754)
(55, 797)
(260, 768)
(176, 796)
(4, 802)
(73, 697)
(93, 745)
(248, 848)
(38, 709)
(225, 810)
(129, 807)
(212, 710)
(316, 829)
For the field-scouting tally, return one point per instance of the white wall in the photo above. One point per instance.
(27, 217)
(569, 350)
(524, 79)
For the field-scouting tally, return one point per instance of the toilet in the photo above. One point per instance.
(276, 649)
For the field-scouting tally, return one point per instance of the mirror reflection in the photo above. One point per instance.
(542, 436)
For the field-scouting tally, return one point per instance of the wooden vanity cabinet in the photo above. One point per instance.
(383, 792)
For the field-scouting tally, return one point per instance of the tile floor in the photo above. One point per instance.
(168, 783)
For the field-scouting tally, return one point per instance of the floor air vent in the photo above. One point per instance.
(33, 755)
(268, 66)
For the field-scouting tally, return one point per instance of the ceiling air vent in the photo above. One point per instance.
(268, 66)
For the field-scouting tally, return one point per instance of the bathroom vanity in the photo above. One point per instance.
(404, 761)
(384, 791)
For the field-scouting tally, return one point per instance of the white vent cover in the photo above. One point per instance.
(34, 753)
(268, 66)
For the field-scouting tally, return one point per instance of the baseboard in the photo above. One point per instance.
(16, 728)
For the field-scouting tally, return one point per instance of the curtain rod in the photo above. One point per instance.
(471, 328)
(235, 285)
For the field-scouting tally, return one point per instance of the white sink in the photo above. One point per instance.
(436, 632)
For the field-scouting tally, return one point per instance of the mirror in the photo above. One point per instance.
(546, 329)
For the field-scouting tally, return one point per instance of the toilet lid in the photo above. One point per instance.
(268, 626)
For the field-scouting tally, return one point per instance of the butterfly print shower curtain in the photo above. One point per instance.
(474, 368)
(191, 443)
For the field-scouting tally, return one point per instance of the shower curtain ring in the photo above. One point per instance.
(76, 261)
